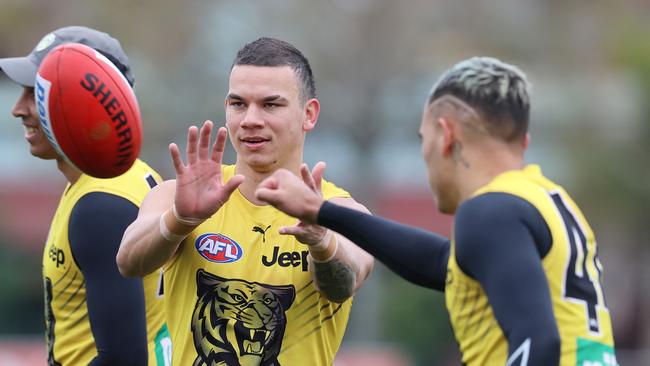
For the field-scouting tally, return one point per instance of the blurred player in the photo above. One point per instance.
(521, 274)
(237, 292)
(93, 315)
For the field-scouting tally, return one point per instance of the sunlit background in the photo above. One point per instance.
(374, 63)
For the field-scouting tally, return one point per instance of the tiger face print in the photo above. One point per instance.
(236, 322)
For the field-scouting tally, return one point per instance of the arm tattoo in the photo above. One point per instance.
(335, 279)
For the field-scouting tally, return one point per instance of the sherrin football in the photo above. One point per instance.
(88, 110)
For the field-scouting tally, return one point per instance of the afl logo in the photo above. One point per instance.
(218, 248)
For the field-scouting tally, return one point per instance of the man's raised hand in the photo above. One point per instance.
(200, 191)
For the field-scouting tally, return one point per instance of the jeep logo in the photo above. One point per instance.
(56, 255)
(286, 259)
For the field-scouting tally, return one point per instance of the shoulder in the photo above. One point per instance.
(493, 207)
(143, 171)
(331, 190)
(133, 185)
(160, 198)
(140, 168)
(490, 218)
(97, 223)
(101, 205)
(496, 221)
(140, 172)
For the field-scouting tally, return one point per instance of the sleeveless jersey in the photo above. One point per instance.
(573, 272)
(239, 293)
(69, 337)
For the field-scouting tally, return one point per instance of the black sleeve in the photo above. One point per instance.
(416, 255)
(500, 241)
(116, 307)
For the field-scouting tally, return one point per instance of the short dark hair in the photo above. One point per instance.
(496, 90)
(273, 52)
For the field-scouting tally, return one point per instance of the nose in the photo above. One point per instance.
(253, 117)
(24, 104)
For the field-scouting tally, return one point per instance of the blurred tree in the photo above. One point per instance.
(416, 318)
(21, 307)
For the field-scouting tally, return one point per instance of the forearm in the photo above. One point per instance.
(334, 269)
(416, 255)
(144, 249)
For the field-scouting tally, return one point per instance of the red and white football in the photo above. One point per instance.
(88, 110)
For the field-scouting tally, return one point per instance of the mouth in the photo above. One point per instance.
(253, 341)
(31, 131)
(254, 142)
(255, 346)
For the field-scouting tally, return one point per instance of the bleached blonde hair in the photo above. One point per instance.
(497, 91)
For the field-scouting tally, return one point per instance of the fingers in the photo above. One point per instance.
(317, 174)
(307, 177)
(305, 234)
(204, 140)
(292, 230)
(269, 182)
(176, 158)
(232, 184)
(190, 149)
(219, 145)
(268, 195)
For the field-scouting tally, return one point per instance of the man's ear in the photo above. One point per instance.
(448, 135)
(312, 109)
(526, 142)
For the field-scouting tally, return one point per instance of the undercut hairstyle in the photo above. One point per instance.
(498, 92)
(276, 53)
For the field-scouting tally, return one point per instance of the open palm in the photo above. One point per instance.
(200, 190)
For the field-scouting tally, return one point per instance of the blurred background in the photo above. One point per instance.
(374, 63)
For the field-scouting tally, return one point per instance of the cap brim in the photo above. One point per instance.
(19, 69)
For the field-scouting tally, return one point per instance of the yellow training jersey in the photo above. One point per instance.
(69, 337)
(239, 293)
(573, 273)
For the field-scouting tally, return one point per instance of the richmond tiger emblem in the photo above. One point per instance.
(236, 322)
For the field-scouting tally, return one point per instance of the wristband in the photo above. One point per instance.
(323, 245)
(189, 221)
(168, 235)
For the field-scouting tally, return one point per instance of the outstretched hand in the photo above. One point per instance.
(200, 191)
(300, 198)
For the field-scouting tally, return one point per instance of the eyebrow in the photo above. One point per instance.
(275, 98)
(234, 96)
(270, 98)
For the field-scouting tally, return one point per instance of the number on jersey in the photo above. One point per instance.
(578, 285)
